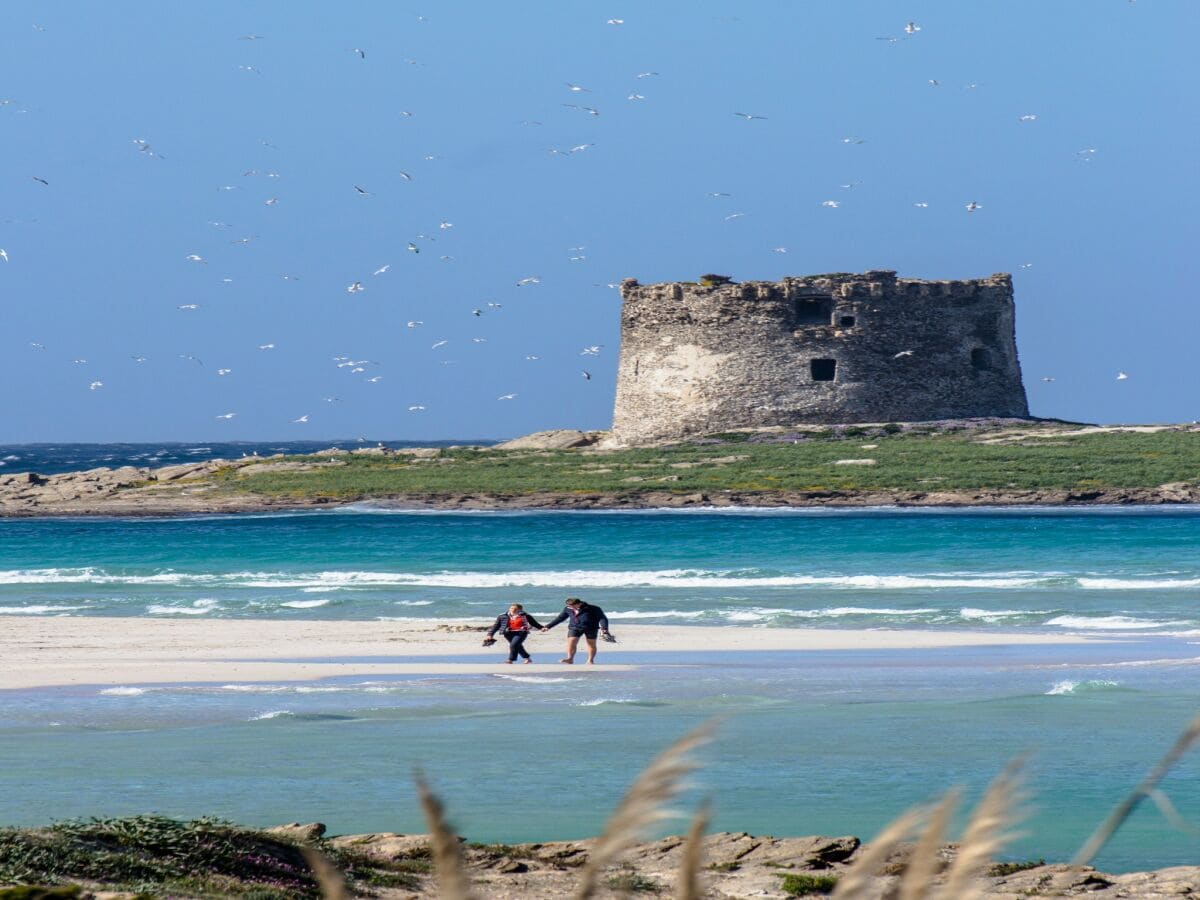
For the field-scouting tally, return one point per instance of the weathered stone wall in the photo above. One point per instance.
(702, 358)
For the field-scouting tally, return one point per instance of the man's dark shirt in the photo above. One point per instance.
(587, 618)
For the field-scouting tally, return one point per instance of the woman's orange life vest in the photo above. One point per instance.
(517, 623)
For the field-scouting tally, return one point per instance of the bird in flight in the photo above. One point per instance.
(40, 180)
(355, 287)
(197, 360)
(1028, 118)
(972, 206)
(587, 376)
(413, 248)
(902, 354)
(382, 269)
(439, 344)
(615, 22)
(3, 254)
(415, 323)
(645, 74)
(266, 346)
(507, 397)
(912, 28)
(406, 176)
(195, 257)
(95, 385)
(375, 379)
(748, 116)
(921, 204)
(532, 279)
(593, 350)
(138, 358)
(188, 306)
(417, 408)
(224, 371)
(362, 54)
(225, 416)
(1047, 378)
(576, 89)
(1122, 376)
(832, 204)
(362, 191)
(300, 421)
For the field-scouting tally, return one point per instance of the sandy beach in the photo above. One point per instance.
(65, 650)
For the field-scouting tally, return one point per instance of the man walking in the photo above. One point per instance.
(587, 621)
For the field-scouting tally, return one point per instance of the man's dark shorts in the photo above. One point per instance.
(591, 634)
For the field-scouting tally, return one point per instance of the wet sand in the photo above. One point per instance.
(75, 650)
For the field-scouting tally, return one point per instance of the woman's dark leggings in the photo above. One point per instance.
(516, 644)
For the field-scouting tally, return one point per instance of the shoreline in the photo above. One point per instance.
(79, 651)
(183, 506)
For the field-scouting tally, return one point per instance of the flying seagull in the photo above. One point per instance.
(95, 385)
(972, 206)
(748, 116)
(300, 421)
(507, 397)
(225, 416)
(1122, 376)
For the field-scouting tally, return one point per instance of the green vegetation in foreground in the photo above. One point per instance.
(159, 857)
(803, 885)
(1029, 459)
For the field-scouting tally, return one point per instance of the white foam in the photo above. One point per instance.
(304, 604)
(573, 578)
(1109, 623)
(273, 714)
(256, 688)
(1137, 584)
(123, 692)
(34, 610)
(198, 608)
(990, 615)
(1070, 687)
(605, 701)
(531, 679)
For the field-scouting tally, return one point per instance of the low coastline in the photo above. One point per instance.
(184, 505)
(951, 464)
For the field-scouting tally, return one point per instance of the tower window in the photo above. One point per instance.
(823, 369)
(981, 358)
(846, 321)
(813, 310)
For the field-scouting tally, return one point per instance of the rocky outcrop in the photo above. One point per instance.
(560, 439)
(736, 865)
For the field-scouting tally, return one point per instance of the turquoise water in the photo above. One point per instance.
(819, 742)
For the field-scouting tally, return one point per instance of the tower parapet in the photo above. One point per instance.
(708, 356)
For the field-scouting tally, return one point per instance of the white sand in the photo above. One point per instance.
(65, 650)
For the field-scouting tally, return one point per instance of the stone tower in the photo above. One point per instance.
(710, 356)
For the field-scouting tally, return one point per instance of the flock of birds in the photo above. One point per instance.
(368, 370)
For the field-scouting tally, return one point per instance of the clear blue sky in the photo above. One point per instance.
(97, 266)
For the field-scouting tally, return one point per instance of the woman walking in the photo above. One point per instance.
(515, 625)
